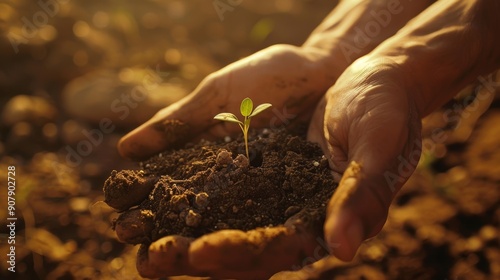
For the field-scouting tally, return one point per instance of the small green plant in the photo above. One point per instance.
(247, 111)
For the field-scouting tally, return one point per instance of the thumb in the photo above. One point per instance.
(353, 214)
(173, 125)
(383, 153)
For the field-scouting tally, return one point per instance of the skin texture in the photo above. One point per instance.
(291, 79)
(371, 116)
(367, 123)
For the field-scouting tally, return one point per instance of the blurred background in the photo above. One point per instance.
(67, 65)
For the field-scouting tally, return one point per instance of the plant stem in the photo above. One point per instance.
(245, 135)
(246, 144)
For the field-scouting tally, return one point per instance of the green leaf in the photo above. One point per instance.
(227, 117)
(246, 107)
(260, 108)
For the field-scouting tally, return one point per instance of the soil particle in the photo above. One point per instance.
(127, 188)
(193, 219)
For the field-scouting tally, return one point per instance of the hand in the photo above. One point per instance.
(369, 121)
(369, 126)
(293, 79)
(367, 117)
(233, 254)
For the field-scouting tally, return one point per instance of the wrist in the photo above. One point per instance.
(356, 27)
(444, 49)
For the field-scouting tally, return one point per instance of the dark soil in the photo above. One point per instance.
(209, 186)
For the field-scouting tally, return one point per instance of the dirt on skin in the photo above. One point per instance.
(209, 186)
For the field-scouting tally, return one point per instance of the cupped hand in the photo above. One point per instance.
(224, 254)
(291, 78)
(368, 125)
(234, 254)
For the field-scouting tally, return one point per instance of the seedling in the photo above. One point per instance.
(247, 111)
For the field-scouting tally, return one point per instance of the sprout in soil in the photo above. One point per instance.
(246, 109)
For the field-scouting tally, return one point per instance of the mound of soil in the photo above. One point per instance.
(211, 186)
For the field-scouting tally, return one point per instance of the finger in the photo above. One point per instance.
(134, 226)
(344, 229)
(174, 125)
(384, 152)
(127, 188)
(259, 253)
(167, 256)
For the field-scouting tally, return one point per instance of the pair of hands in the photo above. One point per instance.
(366, 125)
(365, 116)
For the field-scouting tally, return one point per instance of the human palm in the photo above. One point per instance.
(369, 127)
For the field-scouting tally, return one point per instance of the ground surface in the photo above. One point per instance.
(66, 73)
